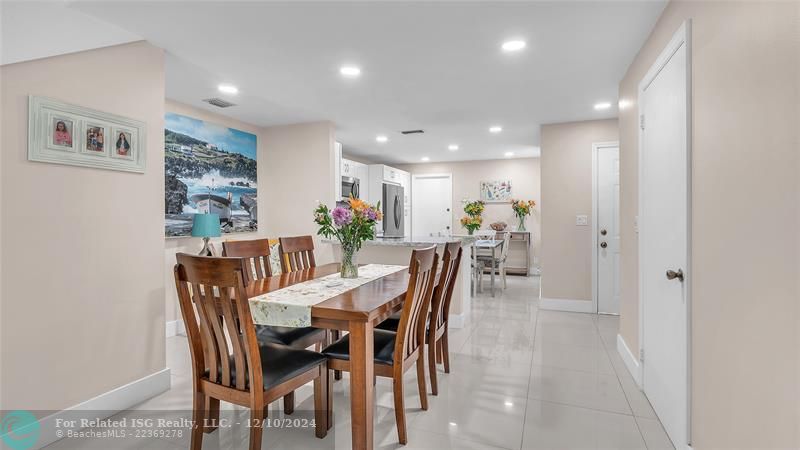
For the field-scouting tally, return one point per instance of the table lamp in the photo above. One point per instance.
(205, 226)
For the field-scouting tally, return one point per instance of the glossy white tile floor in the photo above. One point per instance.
(520, 378)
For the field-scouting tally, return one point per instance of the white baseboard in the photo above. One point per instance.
(175, 328)
(107, 404)
(630, 359)
(565, 304)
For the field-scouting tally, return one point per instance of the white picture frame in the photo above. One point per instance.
(47, 141)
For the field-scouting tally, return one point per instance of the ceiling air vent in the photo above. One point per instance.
(218, 102)
(412, 132)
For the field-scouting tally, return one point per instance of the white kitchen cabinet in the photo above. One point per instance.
(348, 168)
(337, 170)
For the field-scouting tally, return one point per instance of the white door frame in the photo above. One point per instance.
(415, 177)
(681, 37)
(596, 146)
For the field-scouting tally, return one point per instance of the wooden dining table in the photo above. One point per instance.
(357, 311)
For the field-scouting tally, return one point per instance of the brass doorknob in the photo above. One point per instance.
(671, 275)
(603, 245)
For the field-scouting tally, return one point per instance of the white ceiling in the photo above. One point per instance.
(39, 29)
(435, 66)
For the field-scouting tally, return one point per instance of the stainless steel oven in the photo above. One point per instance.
(350, 187)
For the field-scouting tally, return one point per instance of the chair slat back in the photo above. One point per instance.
(443, 293)
(222, 337)
(411, 329)
(506, 244)
(297, 253)
(256, 255)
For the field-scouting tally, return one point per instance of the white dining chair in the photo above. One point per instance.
(485, 261)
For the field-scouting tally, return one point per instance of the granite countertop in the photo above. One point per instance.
(411, 241)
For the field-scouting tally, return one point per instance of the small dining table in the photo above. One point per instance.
(357, 311)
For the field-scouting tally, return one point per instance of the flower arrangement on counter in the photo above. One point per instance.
(471, 223)
(473, 220)
(522, 209)
(351, 225)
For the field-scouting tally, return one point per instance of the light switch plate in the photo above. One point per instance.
(581, 220)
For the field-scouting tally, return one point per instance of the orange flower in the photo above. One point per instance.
(358, 204)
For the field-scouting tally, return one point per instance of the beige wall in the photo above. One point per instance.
(525, 177)
(82, 280)
(745, 218)
(193, 245)
(299, 174)
(567, 192)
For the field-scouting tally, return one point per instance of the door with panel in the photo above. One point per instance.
(607, 229)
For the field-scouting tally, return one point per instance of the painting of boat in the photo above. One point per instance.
(209, 168)
(210, 203)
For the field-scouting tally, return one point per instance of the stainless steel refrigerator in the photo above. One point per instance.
(393, 223)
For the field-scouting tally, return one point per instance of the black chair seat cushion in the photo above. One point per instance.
(267, 334)
(279, 364)
(391, 323)
(384, 347)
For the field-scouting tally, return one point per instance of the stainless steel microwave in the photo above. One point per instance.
(350, 187)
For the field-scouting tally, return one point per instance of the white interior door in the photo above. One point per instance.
(607, 229)
(664, 235)
(431, 205)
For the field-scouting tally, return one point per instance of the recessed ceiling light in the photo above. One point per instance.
(509, 154)
(495, 129)
(602, 105)
(381, 138)
(452, 424)
(509, 403)
(452, 147)
(228, 88)
(425, 159)
(513, 46)
(350, 71)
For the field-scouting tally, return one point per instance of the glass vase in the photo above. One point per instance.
(349, 266)
(521, 226)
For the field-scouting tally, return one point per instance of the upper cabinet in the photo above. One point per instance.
(337, 170)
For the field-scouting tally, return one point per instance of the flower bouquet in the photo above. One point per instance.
(471, 223)
(351, 225)
(522, 209)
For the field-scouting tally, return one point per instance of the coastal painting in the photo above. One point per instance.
(496, 191)
(209, 168)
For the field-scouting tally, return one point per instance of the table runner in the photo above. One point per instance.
(291, 306)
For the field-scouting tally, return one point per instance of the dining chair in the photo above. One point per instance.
(396, 352)
(499, 261)
(255, 255)
(297, 253)
(437, 327)
(228, 363)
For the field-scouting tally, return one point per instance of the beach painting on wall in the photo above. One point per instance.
(496, 191)
(208, 168)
